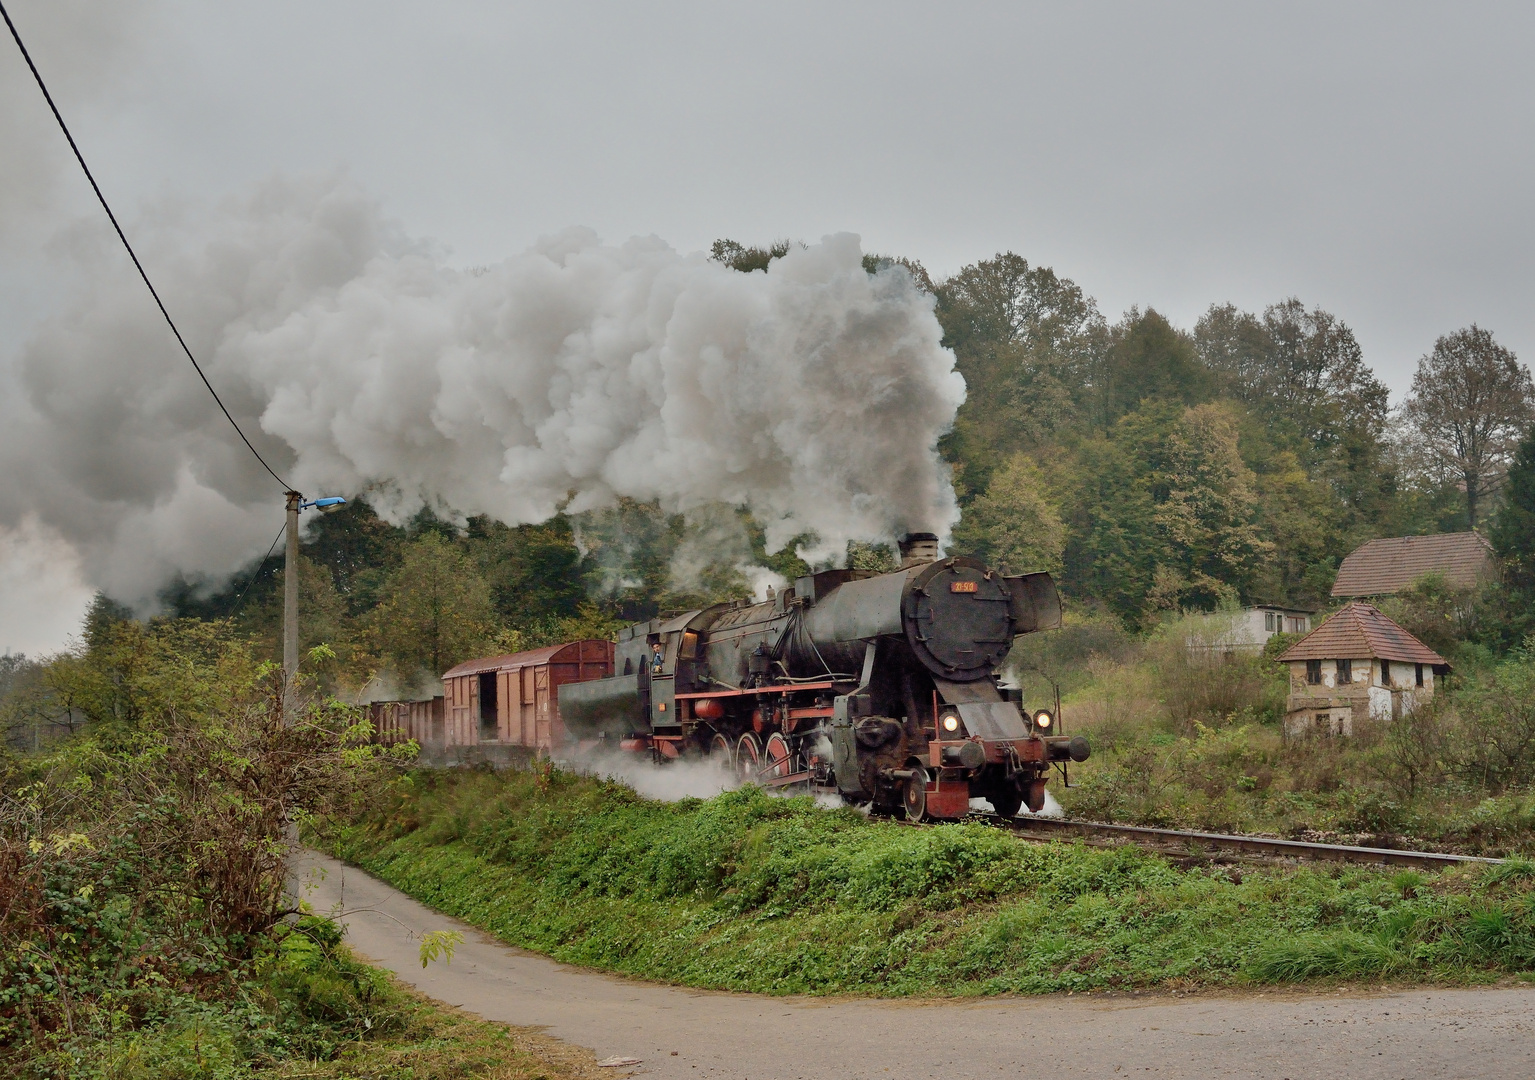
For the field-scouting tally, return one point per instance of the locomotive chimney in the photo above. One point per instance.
(918, 548)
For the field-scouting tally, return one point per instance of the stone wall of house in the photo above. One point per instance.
(1332, 707)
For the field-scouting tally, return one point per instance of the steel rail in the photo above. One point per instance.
(1267, 847)
(1170, 841)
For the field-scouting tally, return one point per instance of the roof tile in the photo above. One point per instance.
(1386, 566)
(1359, 631)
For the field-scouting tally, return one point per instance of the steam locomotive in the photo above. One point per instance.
(881, 687)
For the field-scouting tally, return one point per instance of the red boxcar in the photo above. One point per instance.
(511, 699)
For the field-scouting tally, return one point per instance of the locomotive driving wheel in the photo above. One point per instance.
(719, 753)
(748, 757)
(914, 795)
(780, 759)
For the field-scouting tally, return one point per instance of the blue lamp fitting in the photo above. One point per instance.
(323, 504)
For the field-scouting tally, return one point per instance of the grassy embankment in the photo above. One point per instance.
(749, 892)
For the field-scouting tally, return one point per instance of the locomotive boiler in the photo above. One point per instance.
(882, 687)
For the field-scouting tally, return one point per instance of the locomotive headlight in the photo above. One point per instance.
(1043, 718)
(950, 721)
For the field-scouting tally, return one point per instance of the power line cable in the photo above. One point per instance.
(257, 572)
(123, 237)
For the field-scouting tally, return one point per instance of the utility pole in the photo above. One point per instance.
(290, 610)
(296, 504)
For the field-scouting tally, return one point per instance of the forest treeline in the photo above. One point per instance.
(1154, 469)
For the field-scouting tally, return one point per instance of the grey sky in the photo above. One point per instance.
(1375, 159)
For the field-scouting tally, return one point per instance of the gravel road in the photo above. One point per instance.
(678, 1033)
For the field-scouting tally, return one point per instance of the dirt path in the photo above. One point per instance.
(1481, 1034)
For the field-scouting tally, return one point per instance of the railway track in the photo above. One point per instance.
(1181, 842)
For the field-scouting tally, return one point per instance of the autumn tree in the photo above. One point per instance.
(1208, 515)
(1026, 341)
(1471, 400)
(436, 610)
(1013, 523)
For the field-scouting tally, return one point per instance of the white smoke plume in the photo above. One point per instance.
(717, 538)
(684, 778)
(360, 361)
(681, 779)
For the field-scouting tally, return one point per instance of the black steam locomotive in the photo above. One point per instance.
(882, 687)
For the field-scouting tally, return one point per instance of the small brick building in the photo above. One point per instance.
(1358, 665)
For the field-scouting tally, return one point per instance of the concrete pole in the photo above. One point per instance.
(290, 610)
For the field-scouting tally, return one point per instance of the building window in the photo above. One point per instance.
(1385, 672)
(1418, 673)
(1322, 721)
(1345, 671)
(1314, 672)
(1268, 621)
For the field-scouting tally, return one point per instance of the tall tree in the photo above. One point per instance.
(1303, 373)
(436, 611)
(1026, 341)
(1236, 346)
(1148, 357)
(1471, 400)
(1302, 367)
(1513, 538)
(1113, 545)
(1014, 523)
(1209, 513)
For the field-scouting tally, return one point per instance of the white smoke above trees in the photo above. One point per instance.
(359, 361)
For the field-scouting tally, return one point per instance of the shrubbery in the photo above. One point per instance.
(145, 933)
(1188, 734)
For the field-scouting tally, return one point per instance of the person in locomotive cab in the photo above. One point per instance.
(657, 659)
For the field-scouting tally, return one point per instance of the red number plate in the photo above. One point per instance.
(964, 586)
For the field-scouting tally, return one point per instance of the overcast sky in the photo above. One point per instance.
(1376, 159)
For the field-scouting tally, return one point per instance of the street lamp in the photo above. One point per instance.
(296, 503)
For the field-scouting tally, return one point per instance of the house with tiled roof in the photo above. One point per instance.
(1358, 665)
(1387, 566)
